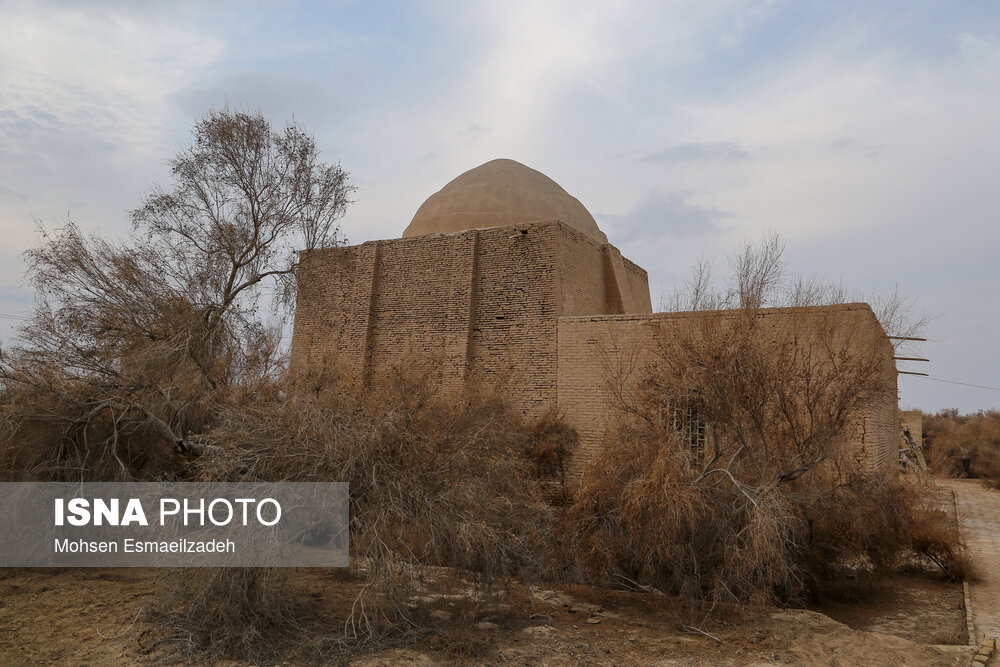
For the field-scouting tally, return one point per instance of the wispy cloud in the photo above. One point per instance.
(725, 151)
(665, 214)
(85, 107)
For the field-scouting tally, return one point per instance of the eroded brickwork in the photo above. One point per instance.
(593, 349)
(480, 300)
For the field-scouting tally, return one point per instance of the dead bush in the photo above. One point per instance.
(61, 434)
(868, 522)
(729, 477)
(548, 446)
(245, 612)
(438, 477)
(649, 514)
(859, 523)
(959, 445)
(934, 537)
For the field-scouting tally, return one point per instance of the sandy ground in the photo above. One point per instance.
(93, 616)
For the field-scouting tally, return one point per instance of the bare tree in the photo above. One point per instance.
(246, 199)
(759, 279)
(142, 336)
(758, 271)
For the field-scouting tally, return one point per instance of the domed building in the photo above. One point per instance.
(497, 194)
(504, 272)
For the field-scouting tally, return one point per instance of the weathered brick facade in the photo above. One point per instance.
(480, 300)
(543, 302)
(592, 349)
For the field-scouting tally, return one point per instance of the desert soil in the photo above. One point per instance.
(94, 616)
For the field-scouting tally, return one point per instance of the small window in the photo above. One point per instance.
(687, 422)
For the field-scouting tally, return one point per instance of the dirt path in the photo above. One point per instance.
(979, 513)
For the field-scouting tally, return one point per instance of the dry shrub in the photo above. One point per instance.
(934, 536)
(551, 441)
(245, 612)
(959, 445)
(57, 434)
(644, 519)
(861, 522)
(868, 521)
(728, 478)
(643, 516)
(437, 478)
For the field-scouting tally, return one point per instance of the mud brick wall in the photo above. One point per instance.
(515, 311)
(597, 280)
(592, 348)
(914, 419)
(483, 300)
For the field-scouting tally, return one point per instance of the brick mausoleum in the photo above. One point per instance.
(503, 271)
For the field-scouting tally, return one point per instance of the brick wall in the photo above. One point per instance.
(592, 349)
(332, 314)
(638, 287)
(914, 419)
(480, 300)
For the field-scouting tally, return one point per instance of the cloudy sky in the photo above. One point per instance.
(866, 134)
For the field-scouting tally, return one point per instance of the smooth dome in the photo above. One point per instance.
(499, 193)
